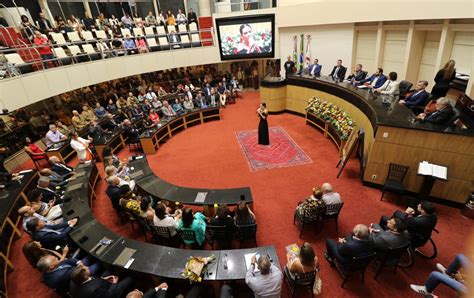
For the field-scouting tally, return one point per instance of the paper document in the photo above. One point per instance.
(200, 197)
(124, 257)
(425, 168)
(440, 172)
(248, 261)
(429, 169)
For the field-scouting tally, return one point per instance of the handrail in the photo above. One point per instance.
(9, 35)
(105, 54)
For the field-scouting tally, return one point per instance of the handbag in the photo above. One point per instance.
(317, 286)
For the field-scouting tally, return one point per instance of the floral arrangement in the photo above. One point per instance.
(230, 43)
(196, 267)
(332, 114)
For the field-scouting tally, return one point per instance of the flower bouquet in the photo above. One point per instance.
(196, 267)
(332, 114)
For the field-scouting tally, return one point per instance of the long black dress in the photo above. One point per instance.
(263, 138)
(441, 88)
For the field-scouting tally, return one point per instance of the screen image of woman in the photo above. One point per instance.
(248, 45)
(246, 39)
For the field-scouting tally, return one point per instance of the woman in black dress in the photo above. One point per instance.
(443, 78)
(262, 112)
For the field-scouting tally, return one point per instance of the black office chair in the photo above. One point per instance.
(218, 235)
(301, 280)
(143, 224)
(134, 144)
(356, 264)
(247, 233)
(394, 180)
(187, 235)
(308, 217)
(389, 258)
(452, 120)
(403, 88)
(332, 212)
(163, 236)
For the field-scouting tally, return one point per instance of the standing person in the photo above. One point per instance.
(82, 147)
(255, 78)
(263, 138)
(443, 78)
(289, 66)
(44, 49)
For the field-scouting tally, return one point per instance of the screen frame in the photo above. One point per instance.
(241, 20)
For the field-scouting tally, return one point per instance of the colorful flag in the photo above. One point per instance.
(295, 48)
(307, 58)
(301, 54)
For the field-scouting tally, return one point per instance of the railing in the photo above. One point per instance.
(66, 54)
(241, 5)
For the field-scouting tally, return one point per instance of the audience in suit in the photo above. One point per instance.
(358, 75)
(113, 191)
(444, 112)
(60, 168)
(358, 244)
(85, 285)
(314, 69)
(417, 98)
(131, 133)
(156, 292)
(338, 72)
(168, 110)
(55, 180)
(50, 236)
(375, 81)
(394, 236)
(390, 87)
(419, 223)
(48, 193)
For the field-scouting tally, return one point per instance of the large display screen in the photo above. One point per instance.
(246, 37)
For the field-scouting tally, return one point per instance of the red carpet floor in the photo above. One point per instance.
(209, 156)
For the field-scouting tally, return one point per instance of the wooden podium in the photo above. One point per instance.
(431, 173)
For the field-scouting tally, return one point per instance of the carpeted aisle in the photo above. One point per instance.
(209, 155)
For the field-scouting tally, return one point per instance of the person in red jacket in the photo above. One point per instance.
(44, 49)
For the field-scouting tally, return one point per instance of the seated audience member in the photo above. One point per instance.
(132, 99)
(129, 201)
(109, 124)
(375, 81)
(33, 252)
(177, 107)
(213, 97)
(28, 213)
(141, 45)
(100, 111)
(81, 146)
(161, 92)
(192, 17)
(87, 114)
(60, 168)
(131, 133)
(268, 282)
(50, 236)
(181, 18)
(357, 76)
(206, 89)
(95, 131)
(419, 223)
(338, 72)
(394, 236)
(223, 219)
(47, 208)
(451, 277)
(154, 117)
(305, 261)
(329, 196)
(391, 86)
(201, 101)
(222, 90)
(137, 113)
(195, 222)
(156, 104)
(243, 215)
(78, 121)
(358, 244)
(113, 191)
(444, 112)
(157, 292)
(174, 38)
(55, 180)
(124, 179)
(127, 21)
(129, 45)
(312, 206)
(146, 106)
(417, 98)
(122, 105)
(62, 128)
(314, 69)
(188, 104)
(162, 218)
(57, 272)
(111, 107)
(54, 139)
(84, 284)
(110, 159)
(34, 151)
(44, 187)
(150, 19)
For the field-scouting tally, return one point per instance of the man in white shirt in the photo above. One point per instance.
(267, 282)
(54, 137)
(329, 196)
(181, 18)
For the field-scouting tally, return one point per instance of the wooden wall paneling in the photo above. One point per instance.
(275, 98)
(427, 69)
(365, 50)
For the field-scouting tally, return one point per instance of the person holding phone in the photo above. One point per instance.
(248, 45)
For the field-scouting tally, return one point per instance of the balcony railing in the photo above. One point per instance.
(71, 48)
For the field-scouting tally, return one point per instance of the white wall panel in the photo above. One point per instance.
(13, 94)
(463, 51)
(57, 81)
(394, 51)
(428, 57)
(36, 86)
(97, 71)
(365, 50)
(116, 68)
(78, 75)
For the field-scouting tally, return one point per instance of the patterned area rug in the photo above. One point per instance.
(282, 151)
